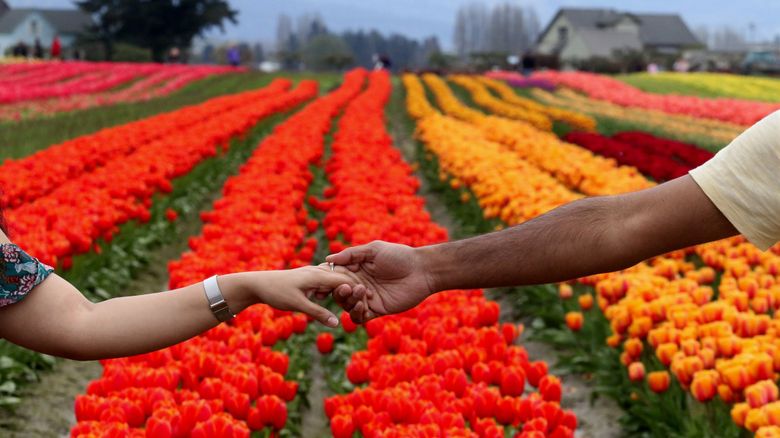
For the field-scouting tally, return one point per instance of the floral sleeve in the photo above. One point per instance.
(19, 273)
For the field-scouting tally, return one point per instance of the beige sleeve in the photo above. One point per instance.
(743, 181)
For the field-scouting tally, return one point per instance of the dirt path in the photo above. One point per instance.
(46, 409)
(595, 420)
(315, 423)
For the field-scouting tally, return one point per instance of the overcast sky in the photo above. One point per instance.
(420, 18)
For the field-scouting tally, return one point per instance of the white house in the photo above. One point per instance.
(579, 34)
(30, 24)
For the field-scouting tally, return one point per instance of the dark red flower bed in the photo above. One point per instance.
(656, 157)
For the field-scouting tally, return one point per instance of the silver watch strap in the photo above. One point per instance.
(217, 303)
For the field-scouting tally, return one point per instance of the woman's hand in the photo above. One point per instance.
(292, 290)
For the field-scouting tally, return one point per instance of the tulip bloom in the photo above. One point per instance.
(658, 381)
(565, 291)
(324, 343)
(636, 371)
(761, 393)
(585, 301)
(574, 321)
(705, 385)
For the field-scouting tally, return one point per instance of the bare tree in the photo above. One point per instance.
(728, 39)
(310, 26)
(532, 26)
(702, 33)
(508, 31)
(471, 28)
(284, 32)
(506, 28)
(459, 35)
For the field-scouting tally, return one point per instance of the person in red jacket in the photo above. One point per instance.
(56, 48)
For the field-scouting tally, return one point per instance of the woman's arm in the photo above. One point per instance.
(55, 318)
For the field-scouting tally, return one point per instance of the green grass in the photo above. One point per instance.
(19, 139)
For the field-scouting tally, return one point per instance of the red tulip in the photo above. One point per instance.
(325, 343)
(341, 426)
(513, 381)
(550, 388)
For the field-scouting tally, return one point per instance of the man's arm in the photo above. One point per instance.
(588, 236)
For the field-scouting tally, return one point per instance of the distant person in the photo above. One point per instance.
(653, 68)
(38, 49)
(234, 56)
(20, 50)
(528, 63)
(681, 66)
(56, 48)
(174, 55)
(382, 62)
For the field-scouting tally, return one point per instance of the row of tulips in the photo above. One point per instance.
(576, 167)
(688, 154)
(57, 164)
(765, 89)
(482, 96)
(712, 134)
(228, 382)
(658, 166)
(156, 84)
(519, 81)
(713, 347)
(91, 205)
(445, 368)
(48, 80)
(505, 186)
(737, 111)
(574, 119)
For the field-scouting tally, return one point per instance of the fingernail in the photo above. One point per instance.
(333, 321)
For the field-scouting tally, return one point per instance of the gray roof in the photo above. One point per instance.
(64, 20)
(665, 29)
(604, 42)
(654, 29)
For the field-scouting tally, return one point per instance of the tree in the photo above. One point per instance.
(155, 25)
(287, 45)
(258, 54)
(506, 28)
(107, 21)
(326, 52)
(471, 29)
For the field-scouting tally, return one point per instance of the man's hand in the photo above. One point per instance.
(392, 279)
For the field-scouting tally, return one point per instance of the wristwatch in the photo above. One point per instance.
(217, 303)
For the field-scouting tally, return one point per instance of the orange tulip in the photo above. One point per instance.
(636, 371)
(736, 377)
(705, 385)
(574, 321)
(565, 291)
(633, 347)
(761, 393)
(725, 393)
(755, 419)
(586, 301)
(664, 352)
(768, 432)
(739, 413)
(658, 381)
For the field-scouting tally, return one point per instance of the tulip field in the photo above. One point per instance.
(38, 89)
(282, 170)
